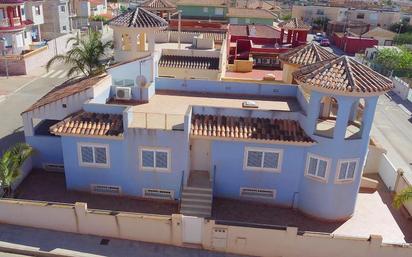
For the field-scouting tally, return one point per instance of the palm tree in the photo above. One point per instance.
(402, 197)
(10, 166)
(86, 56)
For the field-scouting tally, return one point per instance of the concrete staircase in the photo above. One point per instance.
(196, 201)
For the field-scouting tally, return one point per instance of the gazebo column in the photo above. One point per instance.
(289, 38)
(142, 41)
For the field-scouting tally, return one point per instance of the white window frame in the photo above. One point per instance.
(338, 166)
(205, 9)
(155, 149)
(327, 171)
(94, 164)
(261, 149)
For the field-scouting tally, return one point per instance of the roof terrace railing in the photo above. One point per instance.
(164, 121)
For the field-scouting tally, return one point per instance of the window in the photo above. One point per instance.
(257, 193)
(93, 155)
(262, 159)
(205, 9)
(158, 194)
(22, 11)
(64, 28)
(317, 167)
(62, 8)
(124, 82)
(218, 11)
(37, 10)
(346, 170)
(155, 159)
(360, 16)
(106, 189)
(247, 21)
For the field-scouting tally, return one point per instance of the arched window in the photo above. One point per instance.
(355, 121)
(325, 125)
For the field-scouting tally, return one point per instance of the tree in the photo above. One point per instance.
(286, 17)
(402, 197)
(405, 38)
(10, 166)
(403, 26)
(396, 59)
(86, 56)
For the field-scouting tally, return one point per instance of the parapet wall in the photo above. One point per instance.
(176, 229)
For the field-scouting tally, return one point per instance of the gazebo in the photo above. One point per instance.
(162, 8)
(297, 32)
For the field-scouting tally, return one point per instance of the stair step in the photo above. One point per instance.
(186, 195)
(198, 213)
(196, 206)
(196, 200)
(200, 189)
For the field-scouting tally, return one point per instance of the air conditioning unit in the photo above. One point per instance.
(123, 93)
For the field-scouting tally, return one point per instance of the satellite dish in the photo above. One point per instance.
(141, 81)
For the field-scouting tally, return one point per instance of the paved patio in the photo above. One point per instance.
(51, 187)
(374, 214)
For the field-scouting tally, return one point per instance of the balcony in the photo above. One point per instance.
(16, 21)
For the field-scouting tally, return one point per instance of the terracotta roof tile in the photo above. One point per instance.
(158, 4)
(139, 18)
(250, 13)
(90, 124)
(343, 75)
(307, 54)
(248, 128)
(294, 24)
(189, 62)
(263, 31)
(202, 3)
(66, 89)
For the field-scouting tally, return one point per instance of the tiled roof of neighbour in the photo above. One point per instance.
(202, 3)
(158, 4)
(139, 18)
(250, 13)
(343, 75)
(66, 89)
(90, 124)
(248, 128)
(294, 23)
(378, 32)
(189, 62)
(307, 54)
(262, 31)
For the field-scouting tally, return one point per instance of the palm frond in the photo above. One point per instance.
(402, 197)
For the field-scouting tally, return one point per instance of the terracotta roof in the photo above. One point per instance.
(294, 24)
(343, 75)
(248, 128)
(68, 88)
(189, 62)
(158, 4)
(262, 31)
(307, 54)
(250, 13)
(90, 124)
(139, 18)
(379, 33)
(202, 3)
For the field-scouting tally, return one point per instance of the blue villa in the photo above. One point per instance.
(127, 132)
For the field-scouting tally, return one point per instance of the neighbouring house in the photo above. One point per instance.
(352, 44)
(297, 31)
(56, 18)
(208, 9)
(129, 133)
(20, 22)
(162, 8)
(98, 7)
(384, 37)
(250, 16)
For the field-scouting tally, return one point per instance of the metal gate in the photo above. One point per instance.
(192, 229)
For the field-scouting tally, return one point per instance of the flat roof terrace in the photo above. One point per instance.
(166, 109)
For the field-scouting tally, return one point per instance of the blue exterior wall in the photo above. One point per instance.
(228, 157)
(124, 168)
(48, 150)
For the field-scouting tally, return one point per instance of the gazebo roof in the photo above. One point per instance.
(294, 24)
(307, 54)
(343, 75)
(139, 18)
(158, 5)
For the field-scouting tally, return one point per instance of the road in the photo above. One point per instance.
(17, 94)
(30, 240)
(392, 128)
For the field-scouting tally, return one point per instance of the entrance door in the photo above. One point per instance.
(200, 155)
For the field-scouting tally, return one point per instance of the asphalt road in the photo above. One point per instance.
(17, 94)
(392, 128)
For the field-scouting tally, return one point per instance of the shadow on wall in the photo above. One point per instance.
(398, 100)
(16, 137)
